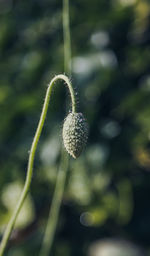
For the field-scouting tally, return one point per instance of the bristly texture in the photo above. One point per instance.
(75, 133)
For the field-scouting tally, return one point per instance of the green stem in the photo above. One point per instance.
(55, 206)
(66, 35)
(62, 172)
(11, 223)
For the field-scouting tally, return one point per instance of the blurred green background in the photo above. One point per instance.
(106, 200)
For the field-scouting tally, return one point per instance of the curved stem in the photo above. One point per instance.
(62, 172)
(67, 39)
(32, 155)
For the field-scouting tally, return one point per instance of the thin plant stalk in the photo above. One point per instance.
(26, 188)
(55, 206)
(62, 172)
(67, 38)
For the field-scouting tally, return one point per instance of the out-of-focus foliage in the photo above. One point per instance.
(107, 190)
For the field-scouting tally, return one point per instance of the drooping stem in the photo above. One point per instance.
(11, 223)
(62, 172)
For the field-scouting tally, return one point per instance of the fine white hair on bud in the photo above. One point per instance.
(75, 133)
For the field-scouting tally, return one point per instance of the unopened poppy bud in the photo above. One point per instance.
(75, 133)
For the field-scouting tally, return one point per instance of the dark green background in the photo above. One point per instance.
(108, 187)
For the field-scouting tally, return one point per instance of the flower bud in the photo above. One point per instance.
(75, 133)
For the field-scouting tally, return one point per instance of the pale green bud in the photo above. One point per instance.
(75, 133)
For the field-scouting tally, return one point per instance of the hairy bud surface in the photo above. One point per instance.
(75, 133)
